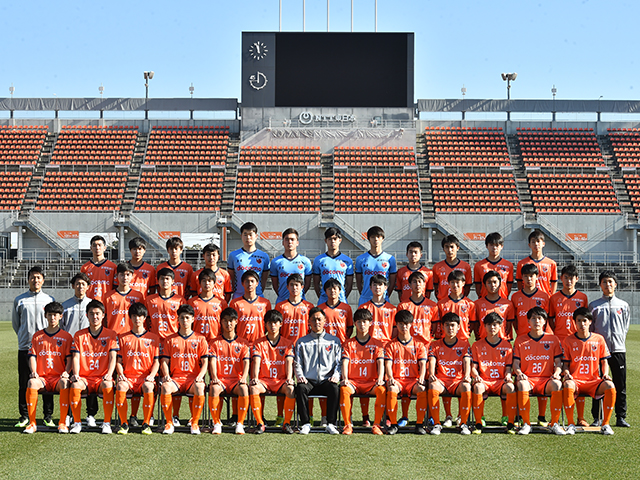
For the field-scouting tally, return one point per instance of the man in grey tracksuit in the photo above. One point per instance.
(611, 319)
(317, 368)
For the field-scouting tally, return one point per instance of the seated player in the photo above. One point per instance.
(272, 371)
(50, 364)
(494, 302)
(207, 306)
(137, 367)
(383, 312)
(585, 356)
(449, 372)
(118, 301)
(94, 361)
(491, 372)
(229, 368)
(362, 371)
(251, 308)
(537, 363)
(405, 362)
(183, 363)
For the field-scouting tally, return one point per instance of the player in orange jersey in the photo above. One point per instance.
(183, 271)
(362, 371)
(491, 372)
(585, 356)
(449, 372)
(184, 360)
(272, 371)
(251, 308)
(547, 268)
(100, 270)
(50, 364)
(294, 310)
(441, 270)
(403, 287)
(457, 303)
(537, 364)
(118, 301)
(144, 275)
(494, 302)
(383, 327)
(339, 314)
(222, 286)
(530, 296)
(494, 262)
(405, 363)
(207, 305)
(137, 367)
(94, 361)
(229, 368)
(163, 306)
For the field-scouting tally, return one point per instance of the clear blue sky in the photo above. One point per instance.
(68, 48)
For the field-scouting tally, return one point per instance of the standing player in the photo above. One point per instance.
(457, 303)
(144, 275)
(163, 306)
(537, 363)
(272, 371)
(228, 369)
(182, 270)
(383, 312)
(494, 302)
(94, 361)
(405, 361)
(137, 367)
(50, 364)
(248, 258)
(222, 287)
(74, 317)
(339, 314)
(530, 296)
(332, 264)
(251, 308)
(184, 360)
(362, 371)
(547, 268)
(288, 263)
(414, 254)
(585, 356)
(100, 270)
(118, 301)
(207, 306)
(449, 372)
(375, 262)
(441, 270)
(494, 262)
(294, 310)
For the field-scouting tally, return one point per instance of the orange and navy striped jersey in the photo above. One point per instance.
(464, 308)
(51, 352)
(102, 278)
(207, 315)
(561, 308)
(251, 317)
(424, 314)
(117, 306)
(182, 280)
(339, 319)
(502, 266)
(537, 355)
(441, 271)
(138, 352)
(384, 318)
(449, 358)
(547, 272)
(229, 356)
(522, 303)
(273, 358)
(163, 313)
(402, 281)
(405, 358)
(94, 350)
(185, 354)
(221, 286)
(584, 355)
(363, 358)
(502, 307)
(492, 360)
(295, 319)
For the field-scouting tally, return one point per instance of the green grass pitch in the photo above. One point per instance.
(491, 455)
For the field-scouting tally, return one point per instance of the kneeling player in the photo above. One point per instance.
(184, 365)
(137, 367)
(491, 372)
(537, 362)
(362, 371)
(50, 364)
(406, 367)
(94, 361)
(228, 369)
(449, 372)
(584, 352)
(272, 370)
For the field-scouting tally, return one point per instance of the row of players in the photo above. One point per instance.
(320, 364)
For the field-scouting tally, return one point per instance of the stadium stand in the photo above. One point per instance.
(475, 192)
(280, 191)
(13, 186)
(80, 145)
(626, 146)
(188, 146)
(21, 145)
(179, 190)
(280, 156)
(466, 147)
(377, 192)
(374, 156)
(632, 182)
(565, 148)
(82, 190)
(573, 193)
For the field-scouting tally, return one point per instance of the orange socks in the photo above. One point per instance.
(433, 400)
(147, 406)
(243, 405)
(135, 405)
(569, 404)
(32, 403)
(421, 407)
(177, 401)
(556, 406)
(465, 404)
(512, 406)
(64, 405)
(608, 404)
(524, 406)
(165, 403)
(478, 406)
(214, 408)
(74, 400)
(446, 403)
(580, 406)
(392, 407)
(196, 409)
(107, 403)
(121, 405)
(542, 406)
(406, 402)
(364, 405)
(289, 405)
(256, 408)
(345, 404)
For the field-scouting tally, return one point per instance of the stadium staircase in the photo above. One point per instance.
(230, 178)
(522, 185)
(615, 172)
(327, 188)
(31, 197)
(424, 181)
(133, 179)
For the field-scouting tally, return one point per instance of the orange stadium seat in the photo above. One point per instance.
(572, 193)
(21, 145)
(80, 191)
(188, 146)
(475, 192)
(549, 147)
(466, 147)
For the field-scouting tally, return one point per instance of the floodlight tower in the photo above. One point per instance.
(11, 90)
(554, 90)
(147, 76)
(464, 92)
(509, 77)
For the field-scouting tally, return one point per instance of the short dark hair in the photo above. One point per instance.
(450, 317)
(174, 242)
(290, 231)
(584, 312)
(494, 239)
(54, 307)
(607, 274)
(95, 304)
(315, 310)
(80, 276)
(363, 314)
(35, 269)
(186, 308)
(250, 273)
(332, 282)
(375, 232)
(249, 227)
(138, 310)
(414, 245)
(229, 313)
(124, 267)
(492, 317)
(417, 275)
(529, 269)
(331, 232)
(206, 274)
(404, 316)
(447, 239)
(539, 311)
(489, 275)
(211, 247)
(166, 272)
(535, 235)
(295, 277)
(378, 279)
(272, 316)
(137, 242)
(455, 275)
(570, 270)
(96, 238)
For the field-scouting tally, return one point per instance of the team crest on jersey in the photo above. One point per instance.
(145, 275)
(502, 308)
(107, 271)
(219, 281)
(463, 308)
(103, 342)
(259, 308)
(371, 349)
(259, 260)
(147, 343)
(538, 303)
(384, 264)
(173, 306)
(59, 342)
(546, 346)
(341, 313)
(237, 348)
(545, 268)
(300, 267)
(619, 311)
(459, 352)
(577, 302)
(328, 348)
(281, 352)
(303, 311)
(387, 314)
(594, 347)
(342, 265)
(194, 344)
(503, 353)
(182, 274)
